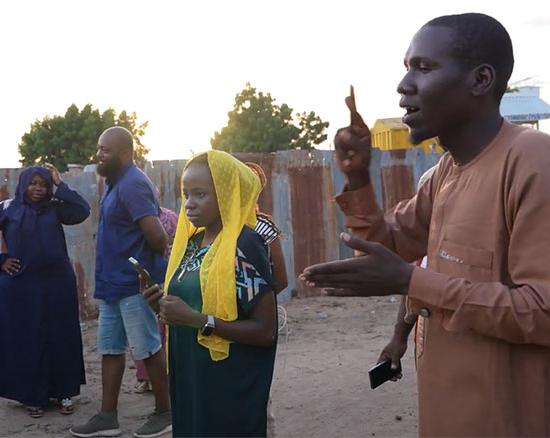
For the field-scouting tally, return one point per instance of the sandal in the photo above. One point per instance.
(142, 386)
(67, 406)
(35, 412)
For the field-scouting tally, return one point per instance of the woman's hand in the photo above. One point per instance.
(152, 295)
(56, 178)
(11, 266)
(175, 311)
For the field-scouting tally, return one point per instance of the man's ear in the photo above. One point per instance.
(484, 78)
(127, 154)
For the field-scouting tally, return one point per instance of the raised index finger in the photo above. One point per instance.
(350, 102)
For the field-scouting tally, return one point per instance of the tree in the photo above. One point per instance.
(257, 124)
(72, 138)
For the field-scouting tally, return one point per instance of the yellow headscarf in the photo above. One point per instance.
(237, 190)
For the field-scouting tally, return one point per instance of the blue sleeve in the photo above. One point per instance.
(139, 199)
(70, 207)
(252, 270)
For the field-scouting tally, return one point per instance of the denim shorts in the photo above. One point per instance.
(128, 322)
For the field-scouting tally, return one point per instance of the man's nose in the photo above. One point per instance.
(406, 85)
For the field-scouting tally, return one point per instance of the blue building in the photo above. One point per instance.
(524, 105)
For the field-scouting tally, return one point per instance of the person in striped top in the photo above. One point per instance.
(271, 234)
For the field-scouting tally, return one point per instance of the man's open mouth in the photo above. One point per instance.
(411, 110)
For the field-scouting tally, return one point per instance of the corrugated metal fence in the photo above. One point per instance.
(299, 195)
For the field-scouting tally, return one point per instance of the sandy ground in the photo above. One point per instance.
(320, 386)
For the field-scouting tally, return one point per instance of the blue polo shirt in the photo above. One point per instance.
(128, 197)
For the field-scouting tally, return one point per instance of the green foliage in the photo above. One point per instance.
(72, 138)
(257, 124)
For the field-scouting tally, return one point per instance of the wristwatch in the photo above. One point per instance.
(209, 327)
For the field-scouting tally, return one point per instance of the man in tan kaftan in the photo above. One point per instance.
(483, 219)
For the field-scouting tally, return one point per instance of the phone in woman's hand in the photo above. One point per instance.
(143, 273)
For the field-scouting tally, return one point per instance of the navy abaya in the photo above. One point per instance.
(40, 339)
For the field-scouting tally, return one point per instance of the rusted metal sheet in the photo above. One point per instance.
(81, 241)
(400, 171)
(397, 179)
(299, 195)
(166, 176)
(397, 184)
(282, 213)
(311, 193)
(8, 182)
(266, 161)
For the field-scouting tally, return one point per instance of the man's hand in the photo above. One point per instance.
(353, 146)
(379, 272)
(394, 351)
(56, 177)
(11, 266)
(152, 295)
(175, 311)
(339, 292)
(356, 121)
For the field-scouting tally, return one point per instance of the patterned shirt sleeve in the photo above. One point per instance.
(169, 221)
(252, 270)
(267, 229)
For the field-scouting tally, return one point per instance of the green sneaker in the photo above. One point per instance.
(156, 425)
(102, 424)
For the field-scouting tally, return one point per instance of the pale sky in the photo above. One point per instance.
(179, 64)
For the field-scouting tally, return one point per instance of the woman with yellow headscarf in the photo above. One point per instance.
(219, 304)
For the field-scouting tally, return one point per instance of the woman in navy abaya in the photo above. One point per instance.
(40, 340)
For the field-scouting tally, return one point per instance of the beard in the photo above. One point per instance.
(109, 168)
(417, 136)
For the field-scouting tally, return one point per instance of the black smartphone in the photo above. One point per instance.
(141, 271)
(382, 372)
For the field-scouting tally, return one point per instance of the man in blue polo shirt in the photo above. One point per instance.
(129, 226)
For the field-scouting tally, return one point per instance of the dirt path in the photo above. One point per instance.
(320, 388)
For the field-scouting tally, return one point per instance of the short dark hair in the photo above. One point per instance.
(481, 39)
